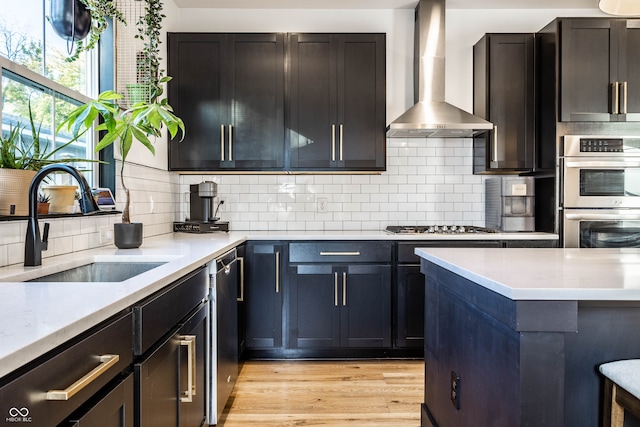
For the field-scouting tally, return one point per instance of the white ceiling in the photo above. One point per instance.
(386, 4)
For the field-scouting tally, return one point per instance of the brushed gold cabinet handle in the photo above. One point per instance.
(354, 253)
(241, 262)
(624, 97)
(230, 143)
(335, 289)
(106, 362)
(333, 143)
(494, 156)
(222, 143)
(341, 133)
(190, 342)
(277, 272)
(344, 288)
(616, 97)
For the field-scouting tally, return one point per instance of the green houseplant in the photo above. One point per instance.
(145, 118)
(140, 122)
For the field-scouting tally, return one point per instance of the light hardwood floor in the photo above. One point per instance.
(327, 393)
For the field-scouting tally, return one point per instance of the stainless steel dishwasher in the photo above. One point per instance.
(223, 294)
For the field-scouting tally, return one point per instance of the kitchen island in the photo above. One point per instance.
(514, 337)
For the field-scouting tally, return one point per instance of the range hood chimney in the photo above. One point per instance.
(431, 116)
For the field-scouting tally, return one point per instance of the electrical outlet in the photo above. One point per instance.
(106, 235)
(455, 389)
(323, 203)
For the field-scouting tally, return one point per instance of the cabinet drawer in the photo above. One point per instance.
(25, 398)
(406, 251)
(351, 251)
(161, 312)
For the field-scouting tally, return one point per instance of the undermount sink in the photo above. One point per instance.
(100, 272)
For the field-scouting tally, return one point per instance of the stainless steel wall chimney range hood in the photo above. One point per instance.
(431, 116)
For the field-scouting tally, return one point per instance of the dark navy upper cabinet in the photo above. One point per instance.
(504, 94)
(337, 102)
(229, 90)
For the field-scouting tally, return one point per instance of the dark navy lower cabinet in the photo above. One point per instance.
(340, 295)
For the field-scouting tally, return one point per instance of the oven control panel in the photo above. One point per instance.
(600, 145)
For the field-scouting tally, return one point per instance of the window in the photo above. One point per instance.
(35, 75)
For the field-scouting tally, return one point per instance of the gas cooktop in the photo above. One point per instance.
(437, 229)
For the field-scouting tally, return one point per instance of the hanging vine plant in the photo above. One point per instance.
(148, 61)
(101, 12)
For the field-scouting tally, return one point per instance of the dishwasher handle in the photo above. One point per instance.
(224, 262)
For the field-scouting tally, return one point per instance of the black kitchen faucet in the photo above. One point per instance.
(33, 245)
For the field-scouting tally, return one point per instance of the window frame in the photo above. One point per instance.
(104, 174)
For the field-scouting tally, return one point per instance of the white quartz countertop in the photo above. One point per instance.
(36, 317)
(546, 274)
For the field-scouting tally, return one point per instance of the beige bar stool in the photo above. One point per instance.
(621, 391)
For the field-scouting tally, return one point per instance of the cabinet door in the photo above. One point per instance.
(156, 385)
(630, 67)
(361, 138)
(504, 95)
(192, 369)
(315, 306)
(256, 141)
(589, 66)
(197, 94)
(337, 101)
(169, 391)
(313, 104)
(114, 409)
(410, 314)
(364, 294)
(263, 295)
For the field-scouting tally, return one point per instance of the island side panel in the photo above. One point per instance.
(508, 377)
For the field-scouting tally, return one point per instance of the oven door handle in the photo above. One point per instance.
(601, 216)
(602, 164)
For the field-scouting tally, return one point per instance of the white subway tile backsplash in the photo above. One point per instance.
(4, 256)
(351, 188)
(426, 181)
(361, 198)
(80, 242)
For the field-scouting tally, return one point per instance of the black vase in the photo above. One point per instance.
(127, 236)
(70, 19)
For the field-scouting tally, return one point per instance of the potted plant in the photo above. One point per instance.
(137, 123)
(43, 203)
(141, 120)
(21, 156)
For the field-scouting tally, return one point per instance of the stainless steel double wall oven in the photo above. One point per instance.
(600, 191)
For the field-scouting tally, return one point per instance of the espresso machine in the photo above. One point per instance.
(202, 210)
